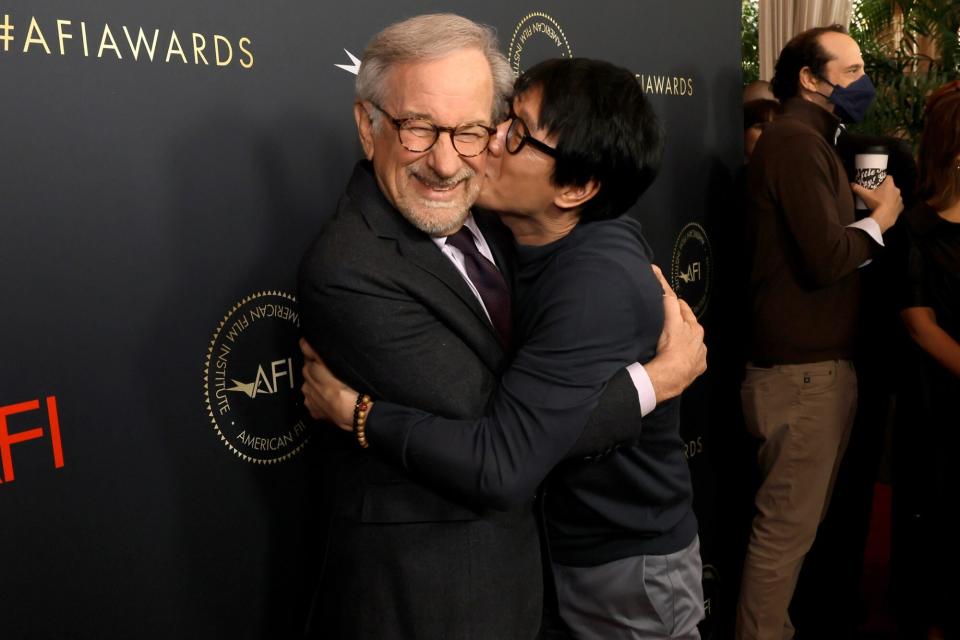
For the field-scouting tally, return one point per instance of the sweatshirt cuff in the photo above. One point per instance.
(386, 429)
(645, 392)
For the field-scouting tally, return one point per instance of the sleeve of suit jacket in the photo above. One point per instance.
(585, 327)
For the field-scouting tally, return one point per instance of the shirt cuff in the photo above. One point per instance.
(645, 392)
(872, 229)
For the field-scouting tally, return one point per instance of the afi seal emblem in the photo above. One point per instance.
(711, 596)
(691, 267)
(251, 379)
(537, 37)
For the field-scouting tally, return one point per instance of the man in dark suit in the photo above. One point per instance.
(393, 309)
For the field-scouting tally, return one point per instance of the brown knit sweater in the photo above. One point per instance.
(804, 285)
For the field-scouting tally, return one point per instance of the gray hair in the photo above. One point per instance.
(429, 37)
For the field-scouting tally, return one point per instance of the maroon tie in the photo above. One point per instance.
(488, 281)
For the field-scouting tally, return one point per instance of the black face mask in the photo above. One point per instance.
(852, 101)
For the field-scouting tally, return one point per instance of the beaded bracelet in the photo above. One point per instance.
(360, 419)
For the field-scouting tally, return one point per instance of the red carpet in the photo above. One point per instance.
(876, 568)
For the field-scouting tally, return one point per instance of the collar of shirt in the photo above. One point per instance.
(478, 239)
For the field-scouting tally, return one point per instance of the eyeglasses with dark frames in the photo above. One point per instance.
(518, 135)
(419, 135)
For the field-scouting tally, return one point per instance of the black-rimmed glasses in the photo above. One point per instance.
(419, 135)
(518, 135)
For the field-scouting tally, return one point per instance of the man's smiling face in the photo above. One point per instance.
(434, 189)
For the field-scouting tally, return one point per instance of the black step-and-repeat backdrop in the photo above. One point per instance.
(163, 165)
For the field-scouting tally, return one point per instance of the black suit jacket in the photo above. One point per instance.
(390, 314)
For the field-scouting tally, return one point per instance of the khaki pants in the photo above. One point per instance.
(803, 415)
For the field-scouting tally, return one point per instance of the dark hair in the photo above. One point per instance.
(605, 128)
(940, 148)
(758, 111)
(803, 50)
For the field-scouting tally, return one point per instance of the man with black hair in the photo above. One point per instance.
(621, 528)
(800, 390)
(581, 145)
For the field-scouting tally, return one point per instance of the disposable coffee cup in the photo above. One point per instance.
(871, 169)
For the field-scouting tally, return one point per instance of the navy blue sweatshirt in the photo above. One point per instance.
(587, 306)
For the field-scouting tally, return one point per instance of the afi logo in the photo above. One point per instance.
(266, 384)
(692, 274)
(8, 439)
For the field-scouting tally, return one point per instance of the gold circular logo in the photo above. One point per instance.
(251, 379)
(537, 37)
(691, 268)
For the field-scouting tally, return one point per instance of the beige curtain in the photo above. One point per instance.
(780, 20)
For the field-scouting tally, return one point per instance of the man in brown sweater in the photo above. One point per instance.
(800, 391)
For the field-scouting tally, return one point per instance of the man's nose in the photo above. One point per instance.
(499, 140)
(443, 157)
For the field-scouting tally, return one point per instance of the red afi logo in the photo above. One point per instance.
(8, 439)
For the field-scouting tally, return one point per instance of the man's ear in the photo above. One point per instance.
(364, 128)
(808, 81)
(575, 196)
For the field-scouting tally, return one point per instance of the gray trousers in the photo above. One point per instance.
(636, 598)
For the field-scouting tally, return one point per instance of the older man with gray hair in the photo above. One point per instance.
(399, 307)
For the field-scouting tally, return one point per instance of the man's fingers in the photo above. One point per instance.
(310, 401)
(873, 197)
(672, 316)
(667, 289)
(317, 373)
(308, 375)
(686, 313)
(308, 352)
(690, 319)
(316, 378)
